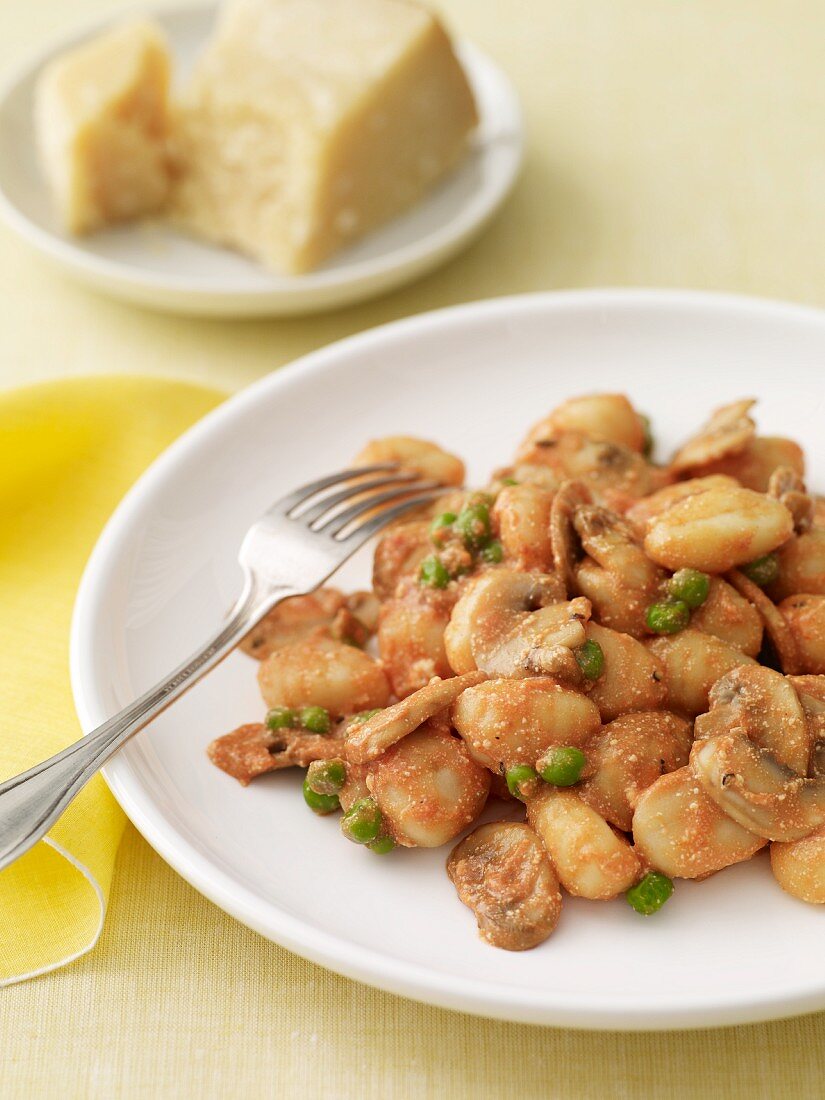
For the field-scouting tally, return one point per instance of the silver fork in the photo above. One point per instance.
(293, 548)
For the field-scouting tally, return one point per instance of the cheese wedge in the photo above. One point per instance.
(309, 122)
(102, 120)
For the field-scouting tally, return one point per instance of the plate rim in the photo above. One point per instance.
(330, 950)
(318, 290)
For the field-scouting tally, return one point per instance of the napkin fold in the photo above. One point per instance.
(68, 452)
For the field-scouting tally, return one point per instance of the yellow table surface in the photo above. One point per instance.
(671, 143)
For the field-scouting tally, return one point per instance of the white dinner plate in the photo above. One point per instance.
(474, 377)
(154, 265)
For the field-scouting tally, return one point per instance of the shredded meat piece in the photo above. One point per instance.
(253, 750)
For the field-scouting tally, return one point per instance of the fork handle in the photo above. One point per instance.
(30, 803)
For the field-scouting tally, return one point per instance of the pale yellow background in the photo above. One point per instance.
(671, 143)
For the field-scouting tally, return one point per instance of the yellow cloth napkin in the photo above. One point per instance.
(68, 452)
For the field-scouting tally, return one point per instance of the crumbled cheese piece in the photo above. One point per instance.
(102, 119)
(309, 122)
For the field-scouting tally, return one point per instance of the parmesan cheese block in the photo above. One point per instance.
(102, 119)
(309, 122)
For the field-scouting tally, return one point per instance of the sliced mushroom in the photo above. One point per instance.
(323, 613)
(762, 704)
(504, 616)
(776, 626)
(727, 432)
(502, 872)
(615, 574)
(615, 474)
(374, 736)
(787, 486)
(533, 645)
(254, 750)
(558, 662)
(750, 785)
(565, 541)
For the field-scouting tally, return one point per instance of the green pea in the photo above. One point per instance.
(433, 573)
(493, 552)
(561, 766)
(362, 822)
(326, 776)
(473, 524)
(381, 845)
(650, 893)
(315, 719)
(690, 586)
(763, 571)
(440, 525)
(668, 617)
(648, 444)
(281, 718)
(519, 778)
(320, 803)
(363, 716)
(590, 659)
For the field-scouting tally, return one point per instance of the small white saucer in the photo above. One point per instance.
(155, 266)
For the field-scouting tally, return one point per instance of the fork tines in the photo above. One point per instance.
(375, 500)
